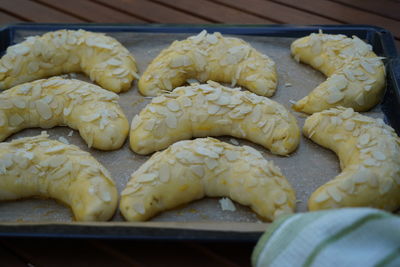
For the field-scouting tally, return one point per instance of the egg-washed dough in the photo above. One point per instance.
(190, 170)
(41, 167)
(369, 154)
(356, 75)
(210, 57)
(46, 103)
(201, 110)
(101, 57)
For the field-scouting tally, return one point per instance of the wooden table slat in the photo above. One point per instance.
(344, 13)
(36, 12)
(64, 252)
(214, 12)
(6, 18)
(8, 258)
(179, 253)
(387, 8)
(90, 11)
(277, 12)
(152, 12)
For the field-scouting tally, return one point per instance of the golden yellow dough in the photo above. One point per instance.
(210, 57)
(41, 167)
(356, 75)
(190, 170)
(213, 110)
(369, 154)
(93, 111)
(100, 57)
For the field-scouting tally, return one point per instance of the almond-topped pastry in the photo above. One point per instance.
(210, 57)
(211, 109)
(190, 170)
(356, 75)
(46, 103)
(41, 167)
(369, 154)
(106, 61)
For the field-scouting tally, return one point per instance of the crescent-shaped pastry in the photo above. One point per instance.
(93, 111)
(41, 167)
(356, 76)
(210, 57)
(369, 154)
(100, 57)
(190, 170)
(213, 110)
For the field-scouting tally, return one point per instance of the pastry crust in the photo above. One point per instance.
(100, 57)
(356, 75)
(190, 170)
(213, 110)
(46, 103)
(369, 154)
(210, 57)
(41, 167)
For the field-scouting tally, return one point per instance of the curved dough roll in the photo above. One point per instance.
(190, 170)
(210, 57)
(56, 102)
(213, 110)
(356, 76)
(369, 154)
(101, 57)
(38, 166)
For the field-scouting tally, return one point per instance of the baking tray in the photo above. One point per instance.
(379, 38)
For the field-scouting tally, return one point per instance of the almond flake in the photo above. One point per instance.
(211, 38)
(334, 97)
(173, 105)
(90, 117)
(164, 173)
(378, 155)
(171, 121)
(198, 170)
(367, 88)
(227, 204)
(139, 207)
(206, 152)
(364, 139)
(385, 186)
(349, 125)
(147, 177)
(15, 120)
(231, 155)
(334, 193)
(281, 198)
(5, 104)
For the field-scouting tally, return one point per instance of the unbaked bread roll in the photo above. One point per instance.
(210, 57)
(41, 167)
(213, 110)
(93, 111)
(356, 75)
(190, 170)
(369, 154)
(100, 57)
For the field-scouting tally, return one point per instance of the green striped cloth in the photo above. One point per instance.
(342, 237)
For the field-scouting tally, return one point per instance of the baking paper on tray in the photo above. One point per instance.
(307, 168)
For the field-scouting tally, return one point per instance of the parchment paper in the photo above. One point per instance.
(306, 169)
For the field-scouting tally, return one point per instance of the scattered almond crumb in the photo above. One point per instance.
(234, 142)
(63, 140)
(292, 101)
(288, 84)
(191, 81)
(70, 133)
(227, 204)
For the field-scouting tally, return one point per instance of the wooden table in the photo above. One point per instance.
(56, 252)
